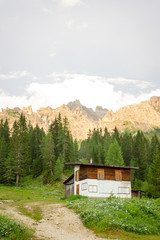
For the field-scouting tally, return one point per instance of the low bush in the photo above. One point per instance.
(75, 197)
(140, 216)
(10, 230)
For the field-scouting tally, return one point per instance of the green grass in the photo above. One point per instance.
(113, 218)
(32, 211)
(31, 196)
(33, 191)
(134, 217)
(11, 230)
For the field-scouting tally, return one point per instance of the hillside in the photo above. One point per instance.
(144, 116)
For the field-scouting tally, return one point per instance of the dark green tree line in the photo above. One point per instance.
(126, 149)
(29, 151)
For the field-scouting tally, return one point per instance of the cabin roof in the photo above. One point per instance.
(100, 165)
(68, 179)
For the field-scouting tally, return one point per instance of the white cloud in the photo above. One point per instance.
(66, 87)
(70, 3)
(69, 24)
(7, 100)
(124, 81)
(48, 10)
(83, 26)
(14, 75)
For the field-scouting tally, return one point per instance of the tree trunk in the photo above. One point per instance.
(17, 180)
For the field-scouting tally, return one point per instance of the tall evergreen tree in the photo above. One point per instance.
(48, 153)
(75, 151)
(35, 140)
(116, 135)
(58, 170)
(3, 156)
(114, 155)
(156, 170)
(127, 148)
(141, 155)
(20, 151)
(9, 175)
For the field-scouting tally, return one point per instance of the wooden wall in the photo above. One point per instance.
(69, 190)
(83, 173)
(109, 173)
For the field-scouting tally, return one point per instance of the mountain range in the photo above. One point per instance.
(144, 116)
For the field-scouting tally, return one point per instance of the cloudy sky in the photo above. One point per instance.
(102, 52)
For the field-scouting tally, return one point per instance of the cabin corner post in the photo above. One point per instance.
(76, 180)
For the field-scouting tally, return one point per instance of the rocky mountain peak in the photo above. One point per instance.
(27, 110)
(144, 116)
(99, 113)
(155, 103)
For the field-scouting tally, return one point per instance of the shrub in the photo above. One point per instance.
(10, 230)
(140, 216)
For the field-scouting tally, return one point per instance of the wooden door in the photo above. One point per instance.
(77, 189)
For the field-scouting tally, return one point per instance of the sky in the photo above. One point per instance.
(101, 52)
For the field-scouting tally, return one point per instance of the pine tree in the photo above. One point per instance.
(3, 156)
(116, 135)
(75, 151)
(35, 140)
(114, 155)
(58, 170)
(154, 144)
(127, 148)
(48, 153)
(4, 130)
(9, 169)
(141, 155)
(20, 148)
(54, 130)
(106, 144)
(156, 170)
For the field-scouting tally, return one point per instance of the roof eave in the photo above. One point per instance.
(100, 165)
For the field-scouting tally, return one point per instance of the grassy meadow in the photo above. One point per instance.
(11, 230)
(123, 218)
(32, 193)
(113, 218)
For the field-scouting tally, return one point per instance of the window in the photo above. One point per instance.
(77, 176)
(118, 175)
(92, 188)
(84, 186)
(100, 174)
(124, 190)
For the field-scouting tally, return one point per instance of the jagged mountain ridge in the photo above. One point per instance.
(144, 116)
(99, 112)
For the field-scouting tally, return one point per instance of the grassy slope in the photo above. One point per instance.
(125, 218)
(92, 211)
(30, 191)
(11, 230)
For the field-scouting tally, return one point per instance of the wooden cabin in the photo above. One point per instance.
(99, 180)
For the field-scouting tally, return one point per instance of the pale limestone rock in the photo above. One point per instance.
(144, 116)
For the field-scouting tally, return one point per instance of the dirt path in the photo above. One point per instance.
(58, 223)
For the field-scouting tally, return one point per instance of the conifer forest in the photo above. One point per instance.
(27, 150)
